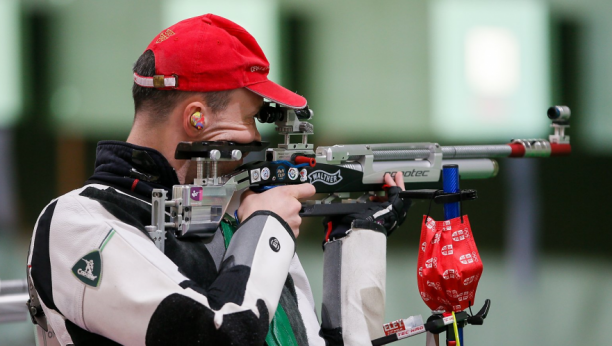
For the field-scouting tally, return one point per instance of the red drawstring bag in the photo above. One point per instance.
(449, 266)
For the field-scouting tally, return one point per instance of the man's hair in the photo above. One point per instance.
(158, 103)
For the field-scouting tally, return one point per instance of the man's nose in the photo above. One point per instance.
(256, 136)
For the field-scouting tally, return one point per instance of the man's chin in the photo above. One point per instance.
(227, 167)
(223, 168)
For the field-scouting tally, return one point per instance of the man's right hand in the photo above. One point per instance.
(281, 200)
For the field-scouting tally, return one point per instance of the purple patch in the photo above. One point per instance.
(196, 193)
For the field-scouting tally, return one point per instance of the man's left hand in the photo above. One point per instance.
(389, 213)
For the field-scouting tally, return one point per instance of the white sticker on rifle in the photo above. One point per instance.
(324, 177)
(255, 175)
(293, 173)
(265, 173)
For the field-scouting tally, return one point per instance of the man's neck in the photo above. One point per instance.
(163, 140)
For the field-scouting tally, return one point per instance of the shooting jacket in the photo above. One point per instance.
(102, 281)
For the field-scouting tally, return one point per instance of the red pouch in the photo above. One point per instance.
(449, 266)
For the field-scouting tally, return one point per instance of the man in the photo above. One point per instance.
(98, 275)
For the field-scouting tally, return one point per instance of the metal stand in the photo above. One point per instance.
(436, 323)
(13, 298)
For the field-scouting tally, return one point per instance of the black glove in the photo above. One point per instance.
(384, 217)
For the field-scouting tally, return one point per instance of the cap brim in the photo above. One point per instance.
(278, 94)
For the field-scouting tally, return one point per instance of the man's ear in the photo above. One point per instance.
(196, 116)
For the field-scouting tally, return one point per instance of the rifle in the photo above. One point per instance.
(339, 171)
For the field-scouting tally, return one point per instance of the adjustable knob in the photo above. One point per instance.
(215, 155)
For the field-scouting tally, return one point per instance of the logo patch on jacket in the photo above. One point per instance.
(88, 269)
(274, 244)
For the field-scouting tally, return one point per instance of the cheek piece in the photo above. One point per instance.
(197, 120)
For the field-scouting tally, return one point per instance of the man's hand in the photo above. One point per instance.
(398, 181)
(386, 216)
(281, 200)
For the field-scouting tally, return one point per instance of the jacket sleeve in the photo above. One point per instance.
(138, 296)
(354, 277)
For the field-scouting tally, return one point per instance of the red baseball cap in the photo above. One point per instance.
(211, 53)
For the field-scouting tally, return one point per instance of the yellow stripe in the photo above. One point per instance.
(456, 330)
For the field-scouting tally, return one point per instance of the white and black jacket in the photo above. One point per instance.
(102, 281)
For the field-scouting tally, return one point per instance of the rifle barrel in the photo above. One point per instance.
(448, 152)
